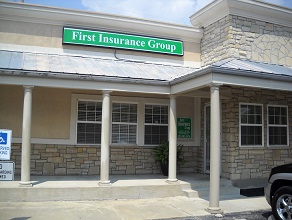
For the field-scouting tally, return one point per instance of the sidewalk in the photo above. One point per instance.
(85, 188)
(135, 209)
(129, 197)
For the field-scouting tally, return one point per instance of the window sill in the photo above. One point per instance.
(123, 145)
(264, 147)
(252, 147)
(278, 147)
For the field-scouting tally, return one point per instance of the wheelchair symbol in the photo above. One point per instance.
(2, 140)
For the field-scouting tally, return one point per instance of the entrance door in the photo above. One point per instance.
(207, 125)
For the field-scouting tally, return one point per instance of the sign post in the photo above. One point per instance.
(184, 127)
(5, 144)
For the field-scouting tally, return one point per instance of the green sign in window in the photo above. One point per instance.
(121, 41)
(184, 127)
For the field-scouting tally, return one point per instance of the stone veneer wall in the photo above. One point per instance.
(244, 38)
(85, 160)
(251, 162)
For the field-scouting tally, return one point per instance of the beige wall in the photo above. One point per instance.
(51, 113)
(50, 108)
(185, 109)
(45, 35)
(11, 105)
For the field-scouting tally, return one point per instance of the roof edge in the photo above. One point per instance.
(231, 71)
(96, 20)
(61, 75)
(253, 9)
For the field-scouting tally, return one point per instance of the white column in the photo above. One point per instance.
(105, 139)
(172, 141)
(26, 137)
(215, 165)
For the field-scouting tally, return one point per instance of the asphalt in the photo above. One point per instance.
(178, 207)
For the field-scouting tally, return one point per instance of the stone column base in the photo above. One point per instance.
(171, 181)
(214, 210)
(25, 184)
(105, 183)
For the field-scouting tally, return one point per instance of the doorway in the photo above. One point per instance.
(207, 125)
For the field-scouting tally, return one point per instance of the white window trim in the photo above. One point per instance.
(151, 145)
(268, 125)
(72, 140)
(240, 124)
(74, 115)
(127, 123)
(140, 101)
(89, 122)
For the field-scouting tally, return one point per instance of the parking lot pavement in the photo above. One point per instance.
(249, 215)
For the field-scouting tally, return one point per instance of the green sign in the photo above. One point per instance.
(122, 41)
(184, 127)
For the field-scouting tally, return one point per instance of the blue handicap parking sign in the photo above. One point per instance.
(3, 138)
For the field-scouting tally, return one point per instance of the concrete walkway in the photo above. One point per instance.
(136, 209)
(84, 188)
(129, 197)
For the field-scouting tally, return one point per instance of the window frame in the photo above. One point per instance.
(89, 122)
(257, 125)
(140, 101)
(128, 123)
(268, 126)
(144, 119)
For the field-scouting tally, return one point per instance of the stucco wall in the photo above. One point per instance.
(244, 38)
(51, 110)
(11, 108)
(51, 114)
(50, 36)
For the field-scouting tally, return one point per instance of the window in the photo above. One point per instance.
(277, 125)
(89, 122)
(156, 124)
(251, 125)
(124, 123)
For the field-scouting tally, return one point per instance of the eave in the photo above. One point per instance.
(96, 20)
(253, 9)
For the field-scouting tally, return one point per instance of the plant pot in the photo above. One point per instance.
(164, 169)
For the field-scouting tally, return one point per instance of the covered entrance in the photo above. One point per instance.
(207, 124)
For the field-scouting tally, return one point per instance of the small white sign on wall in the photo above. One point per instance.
(6, 170)
(5, 144)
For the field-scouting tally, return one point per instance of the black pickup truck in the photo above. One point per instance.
(278, 192)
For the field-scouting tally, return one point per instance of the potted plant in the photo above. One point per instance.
(162, 154)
